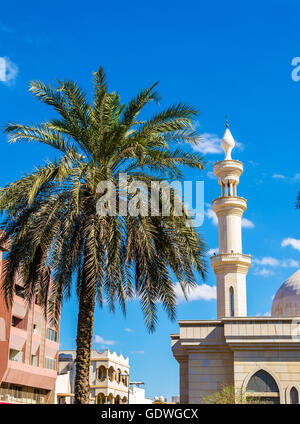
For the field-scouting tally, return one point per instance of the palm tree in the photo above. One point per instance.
(51, 214)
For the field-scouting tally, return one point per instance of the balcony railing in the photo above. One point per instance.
(19, 396)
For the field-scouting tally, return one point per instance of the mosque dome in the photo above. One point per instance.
(286, 302)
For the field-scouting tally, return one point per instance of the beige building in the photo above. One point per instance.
(109, 377)
(260, 356)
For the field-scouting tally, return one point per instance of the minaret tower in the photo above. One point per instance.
(230, 265)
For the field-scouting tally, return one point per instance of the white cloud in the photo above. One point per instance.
(128, 330)
(100, 340)
(286, 178)
(246, 223)
(200, 292)
(264, 272)
(211, 215)
(8, 71)
(290, 263)
(279, 176)
(291, 242)
(209, 143)
(267, 260)
(138, 352)
(270, 262)
(273, 262)
(212, 251)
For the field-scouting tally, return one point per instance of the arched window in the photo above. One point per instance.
(263, 382)
(101, 373)
(294, 396)
(231, 298)
(111, 373)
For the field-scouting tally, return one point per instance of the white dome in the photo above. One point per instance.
(286, 302)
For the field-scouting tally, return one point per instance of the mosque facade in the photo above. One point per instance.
(258, 356)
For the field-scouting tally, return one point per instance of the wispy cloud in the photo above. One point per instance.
(200, 292)
(212, 251)
(273, 262)
(265, 314)
(286, 178)
(253, 163)
(211, 144)
(268, 262)
(103, 343)
(246, 223)
(279, 176)
(8, 71)
(128, 330)
(264, 272)
(138, 352)
(211, 215)
(208, 143)
(295, 243)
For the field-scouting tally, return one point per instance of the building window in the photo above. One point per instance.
(101, 373)
(294, 396)
(18, 323)
(16, 355)
(34, 360)
(263, 382)
(231, 296)
(51, 335)
(50, 363)
(65, 357)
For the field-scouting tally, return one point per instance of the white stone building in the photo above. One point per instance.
(109, 377)
(137, 396)
(259, 356)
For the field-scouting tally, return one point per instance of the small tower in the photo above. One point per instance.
(230, 265)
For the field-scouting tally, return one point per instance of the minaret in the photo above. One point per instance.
(230, 265)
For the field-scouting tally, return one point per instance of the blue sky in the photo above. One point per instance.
(229, 58)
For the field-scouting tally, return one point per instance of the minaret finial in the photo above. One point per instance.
(227, 122)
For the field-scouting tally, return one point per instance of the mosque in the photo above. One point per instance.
(258, 356)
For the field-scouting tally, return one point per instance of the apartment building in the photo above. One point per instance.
(109, 377)
(28, 350)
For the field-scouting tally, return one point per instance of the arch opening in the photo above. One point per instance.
(263, 386)
(294, 396)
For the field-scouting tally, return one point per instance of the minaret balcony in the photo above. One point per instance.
(234, 261)
(228, 167)
(229, 204)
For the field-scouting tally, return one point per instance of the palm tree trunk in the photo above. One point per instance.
(84, 338)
